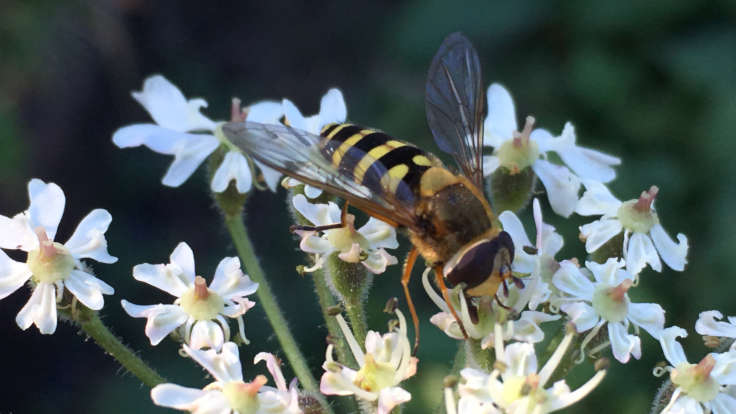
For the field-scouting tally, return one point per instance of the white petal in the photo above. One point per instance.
(448, 324)
(379, 234)
(581, 314)
(622, 344)
(723, 404)
(188, 157)
(685, 405)
(311, 192)
(190, 399)
(608, 273)
(272, 364)
(670, 347)
(206, 334)
(234, 167)
(85, 290)
(16, 233)
(271, 176)
(490, 164)
(317, 214)
(597, 200)
(47, 206)
(389, 398)
(523, 262)
(543, 138)
(562, 186)
(570, 279)
(293, 115)
(88, 240)
(265, 112)
(649, 316)
(230, 281)
(224, 366)
(674, 254)
(40, 309)
(586, 163)
(155, 137)
(377, 261)
(520, 359)
(597, 233)
(724, 371)
(639, 252)
(313, 244)
(708, 325)
(12, 275)
(169, 108)
(183, 257)
(500, 123)
(162, 319)
(332, 109)
(527, 329)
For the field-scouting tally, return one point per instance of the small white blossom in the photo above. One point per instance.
(517, 386)
(541, 265)
(199, 311)
(604, 301)
(229, 393)
(52, 266)
(181, 130)
(492, 318)
(385, 362)
(365, 245)
(708, 325)
(516, 150)
(699, 387)
(638, 220)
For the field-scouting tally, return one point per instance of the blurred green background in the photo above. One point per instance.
(652, 82)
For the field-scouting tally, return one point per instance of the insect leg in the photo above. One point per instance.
(408, 266)
(441, 283)
(342, 223)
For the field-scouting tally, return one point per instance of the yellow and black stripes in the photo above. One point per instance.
(375, 160)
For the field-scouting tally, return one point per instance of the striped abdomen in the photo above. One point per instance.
(376, 160)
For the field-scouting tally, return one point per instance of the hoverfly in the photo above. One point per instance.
(448, 219)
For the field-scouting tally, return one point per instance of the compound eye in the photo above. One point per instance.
(473, 265)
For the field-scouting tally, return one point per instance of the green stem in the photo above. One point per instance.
(477, 357)
(92, 325)
(351, 282)
(267, 301)
(326, 301)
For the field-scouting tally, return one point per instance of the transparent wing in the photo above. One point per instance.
(454, 104)
(297, 154)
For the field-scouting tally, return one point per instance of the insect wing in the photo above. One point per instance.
(454, 104)
(296, 153)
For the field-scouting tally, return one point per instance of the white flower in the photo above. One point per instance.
(699, 387)
(642, 231)
(199, 311)
(541, 265)
(708, 325)
(485, 318)
(332, 109)
(385, 362)
(52, 266)
(229, 393)
(182, 131)
(516, 386)
(516, 151)
(605, 301)
(365, 245)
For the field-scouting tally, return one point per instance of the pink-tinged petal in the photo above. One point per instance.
(272, 364)
(490, 164)
(87, 291)
(641, 251)
(500, 123)
(708, 325)
(206, 334)
(234, 167)
(265, 112)
(670, 347)
(40, 309)
(317, 214)
(47, 206)
(523, 262)
(169, 108)
(88, 240)
(12, 275)
(190, 399)
(270, 176)
(379, 234)
(586, 163)
(723, 404)
(162, 319)
(187, 157)
(16, 233)
(562, 186)
(597, 233)
(623, 344)
(377, 261)
(686, 405)
(390, 397)
(581, 314)
(224, 366)
(332, 109)
(239, 308)
(570, 279)
(674, 254)
(230, 282)
(649, 316)
(597, 200)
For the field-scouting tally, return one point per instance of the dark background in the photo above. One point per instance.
(652, 82)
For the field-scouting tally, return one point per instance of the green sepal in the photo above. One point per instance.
(510, 191)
